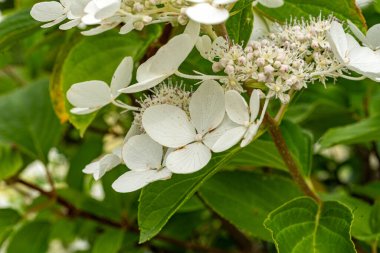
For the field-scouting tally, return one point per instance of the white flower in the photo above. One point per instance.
(208, 13)
(97, 10)
(347, 50)
(211, 49)
(87, 97)
(270, 3)
(143, 157)
(104, 164)
(170, 126)
(166, 61)
(245, 122)
(371, 39)
(55, 12)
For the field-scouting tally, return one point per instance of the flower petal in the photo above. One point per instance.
(106, 8)
(338, 40)
(229, 139)
(70, 24)
(135, 180)
(207, 14)
(122, 76)
(212, 137)
(248, 137)
(141, 153)
(236, 107)
(358, 34)
(373, 37)
(83, 111)
(272, 3)
(167, 59)
(207, 106)
(144, 85)
(89, 94)
(254, 104)
(188, 159)
(168, 125)
(204, 46)
(47, 11)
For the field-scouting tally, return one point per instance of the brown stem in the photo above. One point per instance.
(283, 149)
(121, 225)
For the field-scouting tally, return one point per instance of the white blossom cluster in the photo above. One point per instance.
(133, 15)
(175, 129)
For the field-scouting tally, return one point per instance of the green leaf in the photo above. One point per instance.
(300, 144)
(10, 162)
(240, 23)
(16, 27)
(344, 9)
(95, 58)
(263, 153)
(245, 198)
(31, 238)
(160, 200)
(110, 242)
(27, 120)
(8, 218)
(303, 226)
(363, 131)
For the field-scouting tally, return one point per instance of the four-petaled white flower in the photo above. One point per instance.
(166, 61)
(371, 39)
(171, 127)
(97, 10)
(347, 50)
(143, 156)
(269, 3)
(245, 121)
(104, 164)
(87, 97)
(55, 12)
(208, 13)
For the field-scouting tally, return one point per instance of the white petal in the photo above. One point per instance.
(133, 130)
(220, 2)
(122, 76)
(53, 23)
(135, 180)
(95, 170)
(355, 30)
(338, 41)
(144, 85)
(352, 44)
(167, 59)
(188, 159)
(252, 131)
(193, 29)
(261, 26)
(107, 8)
(128, 26)
(90, 19)
(204, 46)
(236, 107)
(254, 104)
(272, 3)
(373, 36)
(207, 14)
(77, 8)
(168, 125)
(207, 106)
(363, 60)
(89, 94)
(141, 153)
(47, 11)
(229, 139)
(214, 139)
(70, 24)
(83, 111)
(100, 167)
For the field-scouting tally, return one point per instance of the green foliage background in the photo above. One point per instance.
(243, 201)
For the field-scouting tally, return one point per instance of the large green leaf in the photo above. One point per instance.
(94, 58)
(27, 120)
(31, 238)
(343, 9)
(303, 226)
(245, 198)
(240, 23)
(10, 161)
(8, 220)
(160, 200)
(363, 131)
(16, 27)
(110, 242)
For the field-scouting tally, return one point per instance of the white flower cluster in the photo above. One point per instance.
(133, 15)
(176, 131)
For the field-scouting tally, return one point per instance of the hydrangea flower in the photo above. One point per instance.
(90, 96)
(371, 39)
(143, 157)
(97, 10)
(208, 13)
(104, 164)
(189, 136)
